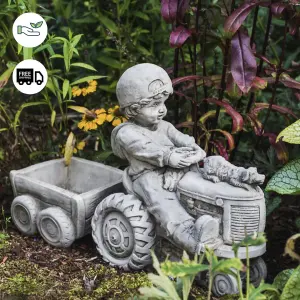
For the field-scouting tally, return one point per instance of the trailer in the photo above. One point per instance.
(59, 201)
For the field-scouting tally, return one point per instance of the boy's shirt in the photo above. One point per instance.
(145, 149)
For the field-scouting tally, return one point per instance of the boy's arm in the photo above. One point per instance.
(141, 147)
(178, 138)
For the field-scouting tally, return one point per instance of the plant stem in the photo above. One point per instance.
(278, 73)
(223, 85)
(239, 285)
(265, 45)
(195, 105)
(210, 283)
(175, 74)
(248, 273)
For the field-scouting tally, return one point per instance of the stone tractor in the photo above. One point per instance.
(66, 203)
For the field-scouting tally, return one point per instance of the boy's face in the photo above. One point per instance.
(152, 113)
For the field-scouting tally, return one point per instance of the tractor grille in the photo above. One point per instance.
(244, 219)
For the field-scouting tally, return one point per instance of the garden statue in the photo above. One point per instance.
(162, 195)
(158, 155)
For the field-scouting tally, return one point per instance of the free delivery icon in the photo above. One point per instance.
(30, 76)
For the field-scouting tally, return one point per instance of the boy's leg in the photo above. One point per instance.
(169, 213)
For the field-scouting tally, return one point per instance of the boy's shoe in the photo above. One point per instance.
(207, 228)
(191, 235)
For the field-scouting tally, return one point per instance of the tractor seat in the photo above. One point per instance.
(193, 184)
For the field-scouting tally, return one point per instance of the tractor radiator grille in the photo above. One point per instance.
(244, 219)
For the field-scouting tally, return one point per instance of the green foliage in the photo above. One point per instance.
(286, 180)
(175, 279)
(4, 240)
(282, 278)
(291, 134)
(291, 290)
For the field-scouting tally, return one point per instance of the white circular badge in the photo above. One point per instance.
(30, 76)
(30, 30)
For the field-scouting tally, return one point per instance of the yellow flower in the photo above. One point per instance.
(93, 83)
(91, 88)
(76, 91)
(92, 118)
(114, 116)
(79, 146)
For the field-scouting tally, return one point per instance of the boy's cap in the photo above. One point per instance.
(142, 81)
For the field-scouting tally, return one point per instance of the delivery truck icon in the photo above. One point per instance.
(29, 76)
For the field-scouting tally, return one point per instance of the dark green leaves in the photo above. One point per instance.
(287, 180)
(291, 290)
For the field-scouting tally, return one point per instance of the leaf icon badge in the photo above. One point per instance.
(36, 25)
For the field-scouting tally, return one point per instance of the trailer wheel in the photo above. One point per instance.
(24, 210)
(56, 228)
(123, 231)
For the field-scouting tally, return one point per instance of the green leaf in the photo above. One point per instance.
(162, 281)
(1, 157)
(20, 47)
(255, 239)
(5, 76)
(56, 56)
(32, 25)
(291, 134)
(83, 65)
(226, 266)
(17, 116)
(53, 116)
(287, 180)
(76, 39)
(141, 15)
(179, 269)
(257, 293)
(143, 50)
(51, 86)
(108, 61)
(291, 291)
(41, 48)
(103, 155)
(108, 23)
(282, 278)
(66, 51)
(88, 78)
(66, 85)
(124, 7)
(38, 24)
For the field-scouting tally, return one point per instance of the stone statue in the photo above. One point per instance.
(159, 155)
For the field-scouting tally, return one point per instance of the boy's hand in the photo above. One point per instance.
(198, 156)
(178, 160)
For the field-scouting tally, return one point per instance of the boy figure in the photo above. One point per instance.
(159, 155)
